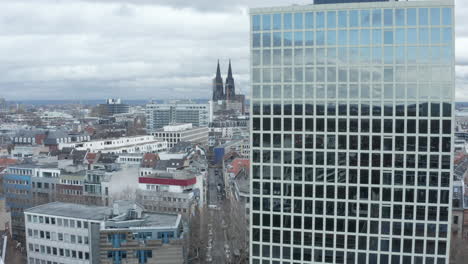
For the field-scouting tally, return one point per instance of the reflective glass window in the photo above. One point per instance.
(298, 38)
(287, 21)
(342, 19)
(256, 23)
(342, 37)
(388, 37)
(266, 40)
(376, 17)
(277, 21)
(400, 17)
(365, 18)
(266, 22)
(435, 16)
(411, 16)
(309, 38)
(287, 39)
(320, 20)
(447, 16)
(298, 22)
(331, 19)
(376, 36)
(423, 16)
(353, 18)
(256, 40)
(400, 36)
(309, 20)
(388, 17)
(365, 37)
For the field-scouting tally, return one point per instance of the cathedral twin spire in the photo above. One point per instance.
(219, 91)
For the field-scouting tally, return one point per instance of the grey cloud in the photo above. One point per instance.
(136, 49)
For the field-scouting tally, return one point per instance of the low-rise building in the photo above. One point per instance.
(178, 192)
(134, 144)
(25, 186)
(135, 236)
(174, 134)
(64, 233)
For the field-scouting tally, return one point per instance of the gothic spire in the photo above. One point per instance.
(229, 70)
(218, 72)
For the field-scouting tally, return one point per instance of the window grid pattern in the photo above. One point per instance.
(352, 115)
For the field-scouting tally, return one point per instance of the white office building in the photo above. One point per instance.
(174, 134)
(133, 144)
(64, 233)
(352, 116)
(160, 115)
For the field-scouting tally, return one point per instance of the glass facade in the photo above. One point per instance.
(352, 116)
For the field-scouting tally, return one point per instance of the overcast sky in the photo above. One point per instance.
(137, 49)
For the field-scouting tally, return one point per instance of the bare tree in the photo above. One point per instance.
(237, 228)
(458, 250)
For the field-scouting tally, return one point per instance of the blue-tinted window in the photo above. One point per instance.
(447, 16)
(298, 24)
(266, 40)
(377, 55)
(365, 18)
(435, 54)
(435, 16)
(331, 19)
(388, 37)
(376, 17)
(320, 38)
(412, 36)
(256, 40)
(309, 38)
(388, 55)
(277, 21)
(388, 17)
(353, 18)
(423, 16)
(277, 39)
(400, 54)
(411, 16)
(423, 35)
(342, 37)
(376, 36)
(342, 19)
(256, 23)
(354, 37)
(447, 35)
(298, 38)
(309, 20)
(331, 37)
(320, 20)
(400, 17)
(400, 36)
(266, 22)
(365, 37)
(287, 21)
(287, 39)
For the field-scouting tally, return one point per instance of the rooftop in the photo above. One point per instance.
(72, 210)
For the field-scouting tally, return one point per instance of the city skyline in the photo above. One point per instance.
(49, 53)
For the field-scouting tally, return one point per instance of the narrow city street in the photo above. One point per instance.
(218, 248)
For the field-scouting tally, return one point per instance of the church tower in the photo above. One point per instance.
(218, 87)
(230, 88)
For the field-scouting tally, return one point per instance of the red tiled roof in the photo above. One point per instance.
(165, 181)
(7, 161)
(238, 165)
(458, 158)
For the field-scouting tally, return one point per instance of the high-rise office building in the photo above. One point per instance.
(160, 115)
(352, 116)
